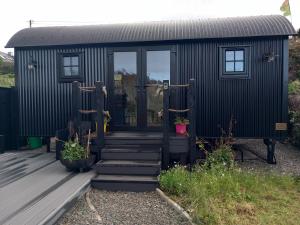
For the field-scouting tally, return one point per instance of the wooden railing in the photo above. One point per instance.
(97, 113)
(190, 110)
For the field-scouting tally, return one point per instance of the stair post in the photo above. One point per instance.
(166, 123)
(100, 120)
(76, 104)
(192, 118)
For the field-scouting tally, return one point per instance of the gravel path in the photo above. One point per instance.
(287, 156)
(80, 214)
(123, 208)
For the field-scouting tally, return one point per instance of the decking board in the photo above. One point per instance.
(37, 188)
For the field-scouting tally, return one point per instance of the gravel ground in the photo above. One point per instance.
(287, 157)
(123, 208)
(80, 214)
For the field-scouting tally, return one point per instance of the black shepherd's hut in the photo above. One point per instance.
(239, 66)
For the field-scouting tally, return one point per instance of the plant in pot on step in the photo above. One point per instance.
(76, 157)
(180, 124)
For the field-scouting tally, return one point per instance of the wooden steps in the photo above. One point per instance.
(129, 162)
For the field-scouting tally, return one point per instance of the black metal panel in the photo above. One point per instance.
(8, 122)
(255, 103)
(253, 26)
(44, 103)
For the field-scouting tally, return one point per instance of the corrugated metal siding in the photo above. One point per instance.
(45, 104)
(255, 103)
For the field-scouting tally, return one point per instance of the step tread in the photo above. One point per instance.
(130, 150)
(128, 163)
(125, 178)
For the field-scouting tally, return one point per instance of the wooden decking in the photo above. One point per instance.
(36, 189)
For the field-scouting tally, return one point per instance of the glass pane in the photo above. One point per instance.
(229, 67)
(239, 66)
(67, 71)
(67, 61)
(158, 69)
(75, 70)
(125, 81)
(75, 61)
(229, 55)
(239, 55)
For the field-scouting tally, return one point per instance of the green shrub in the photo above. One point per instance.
(221, 158)
(73, 151)
(294, 87)
(175, 180)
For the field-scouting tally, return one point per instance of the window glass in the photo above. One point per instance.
(229, 67)
(75, 70)
(234, 61)
(71, 66)
(239, 66)
(229, 55)
(67, 61)
(67, 71)
(239, 55)
(75, 61)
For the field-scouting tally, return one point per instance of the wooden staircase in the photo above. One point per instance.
(130, 161)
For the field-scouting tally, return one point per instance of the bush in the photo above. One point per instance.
(294, 130)
(175, 180)
(294, 87)
(73, 151)
(221, 158)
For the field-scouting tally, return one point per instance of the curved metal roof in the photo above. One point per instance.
(253, 26)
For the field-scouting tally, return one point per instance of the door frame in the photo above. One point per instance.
(141, 94)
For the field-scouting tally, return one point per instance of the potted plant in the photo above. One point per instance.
(180, 124)
(75, 157)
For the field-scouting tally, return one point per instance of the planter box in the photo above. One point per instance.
(179, 144)
(79, 165)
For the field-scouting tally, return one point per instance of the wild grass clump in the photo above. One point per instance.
(218, 192)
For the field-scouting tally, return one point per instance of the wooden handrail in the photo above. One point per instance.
(192, 118)
(166, 102)
(100, 117)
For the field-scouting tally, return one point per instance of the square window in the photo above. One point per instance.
(70, 68)
(234, 62)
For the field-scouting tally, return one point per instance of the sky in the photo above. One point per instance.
(17, 13)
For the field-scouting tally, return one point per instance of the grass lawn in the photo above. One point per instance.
(7, 80)
(232, 196)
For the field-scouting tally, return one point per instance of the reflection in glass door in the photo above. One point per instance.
(125, 83)
(157, 69)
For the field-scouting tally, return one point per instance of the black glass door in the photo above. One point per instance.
(136, 76)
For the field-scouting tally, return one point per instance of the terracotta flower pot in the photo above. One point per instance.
(180, 128)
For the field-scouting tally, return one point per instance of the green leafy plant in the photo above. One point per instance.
(181, 121)
(294, 87)
(73, 151)
(221, 158)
